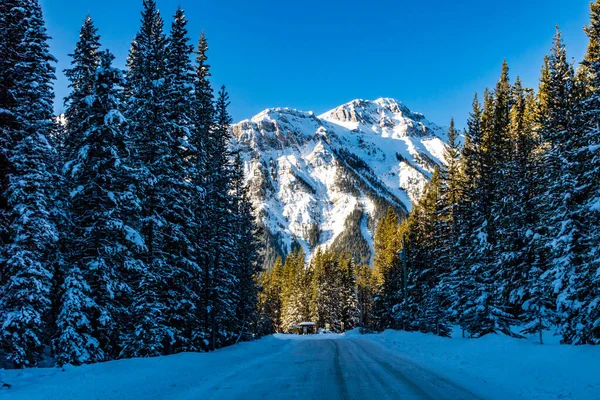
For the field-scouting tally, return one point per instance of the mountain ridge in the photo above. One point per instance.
(326, 180)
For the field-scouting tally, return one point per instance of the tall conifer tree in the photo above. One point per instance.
(105, 244)
(560, 206)
(204, 114)
(25, 297)
(220, 222)
(176, 190)
(145, 93)
(583, 324)
(247, 252)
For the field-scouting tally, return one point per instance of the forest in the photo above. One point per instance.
(504, 240)
(126, 228)
(506, 236)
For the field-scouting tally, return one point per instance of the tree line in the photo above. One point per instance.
(505, 238)
(330, 290)
(126, 228)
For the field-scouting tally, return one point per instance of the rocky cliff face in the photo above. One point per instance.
(326, 180)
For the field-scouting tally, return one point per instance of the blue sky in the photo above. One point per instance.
(314, 55)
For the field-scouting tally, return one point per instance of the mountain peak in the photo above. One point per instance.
(378, 106)
(278, 112)
(326, 180)
(385, 116)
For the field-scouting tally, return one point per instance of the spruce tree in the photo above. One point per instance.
(583, 325)
(26, 293)
(488, 311)
(561, 204)
(10, 36)
(82, 77)
(145, 94)
(247, 253)
(348, 294)
(427, 231)
(105, 245)
(270, 295)
(203, 114)
(77, 343)
(447, 252)
(459, 283)
(221, 257)
(176, 190)
(365, 287)
(524, 257)
(388, 272)
(326, 302)
(293, 291)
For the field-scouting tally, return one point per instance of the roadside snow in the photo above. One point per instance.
(500, 367)
(493, 367)
(180, 376)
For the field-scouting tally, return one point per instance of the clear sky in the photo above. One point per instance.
(433, 55)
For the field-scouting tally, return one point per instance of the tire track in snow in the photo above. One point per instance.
(427, 384)
(338, 371)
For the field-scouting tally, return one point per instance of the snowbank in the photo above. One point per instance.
(494, 367)
(500, 367)
(180, 376)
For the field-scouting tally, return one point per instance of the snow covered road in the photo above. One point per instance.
(336, 368)
(390, 365)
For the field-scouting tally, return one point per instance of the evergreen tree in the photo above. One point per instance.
(25, 296)
(270, 296)
(203, 114)
(82, 77)
(104, 248)
(222, 257)
(145, 93)
(447, 214)
(524, 258)
(560, 204)
(583, 324)
(426, 233)
(348, 294)
(326, 307)
(10, 36)
(77, 343)
(157, 250)
(365, 286)
(175, 189)
(459, 283)
(478, 249)
(293, 291)
(247, 253)
(388, 271)
(491, 313)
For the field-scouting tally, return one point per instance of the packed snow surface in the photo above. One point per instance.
(351, 366)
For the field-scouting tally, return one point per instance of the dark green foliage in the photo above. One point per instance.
(504, 238)
(273, 247)
(28, 176)
(270, 296)
(312, 234)
(247, 251)
(324, 291)
(351, 241)
(144, 246)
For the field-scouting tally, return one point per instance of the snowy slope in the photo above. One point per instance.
(313, 178)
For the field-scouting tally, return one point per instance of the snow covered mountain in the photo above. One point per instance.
(326, 180)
